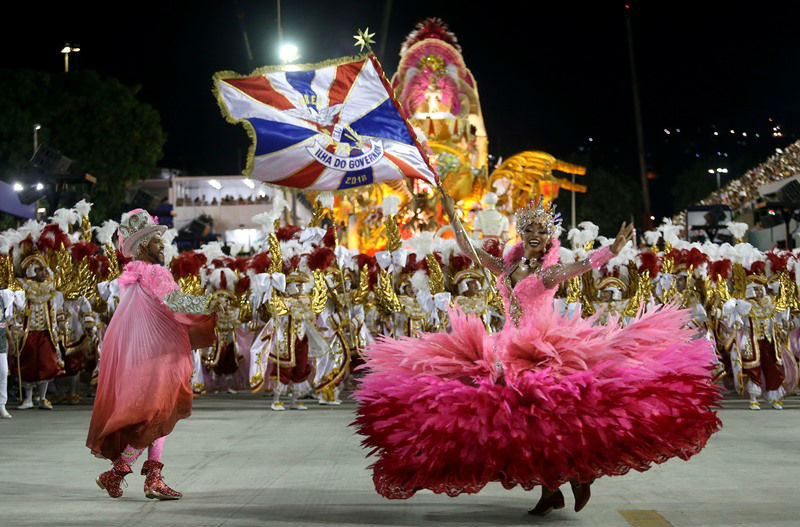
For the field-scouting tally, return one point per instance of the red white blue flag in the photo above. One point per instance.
(323, 127)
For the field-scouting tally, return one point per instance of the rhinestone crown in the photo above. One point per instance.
(539, 212)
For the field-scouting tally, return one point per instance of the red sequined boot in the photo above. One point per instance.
(154, 486)
(110, 481)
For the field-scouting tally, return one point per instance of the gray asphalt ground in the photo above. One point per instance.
(240, 464)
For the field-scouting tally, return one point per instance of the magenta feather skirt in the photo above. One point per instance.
(554, 400)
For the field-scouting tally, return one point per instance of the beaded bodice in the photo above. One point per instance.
(529, 295)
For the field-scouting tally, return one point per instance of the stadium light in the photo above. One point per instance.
(288, 53)
(66, 50)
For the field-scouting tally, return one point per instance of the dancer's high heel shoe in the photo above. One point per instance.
(582, 492)
(549, 501)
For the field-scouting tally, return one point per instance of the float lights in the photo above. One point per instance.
(716, 133)
(39, 186)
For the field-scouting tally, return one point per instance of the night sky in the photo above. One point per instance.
(550, 74)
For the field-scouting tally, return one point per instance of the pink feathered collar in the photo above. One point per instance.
(156, 278)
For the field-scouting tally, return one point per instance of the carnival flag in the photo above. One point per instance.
(329, 126)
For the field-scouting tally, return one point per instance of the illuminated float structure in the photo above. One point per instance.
(440, 95)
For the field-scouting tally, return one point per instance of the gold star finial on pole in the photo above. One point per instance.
(364, 39)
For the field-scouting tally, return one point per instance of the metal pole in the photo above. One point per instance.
(248, 50)
(573, 202)
(637, 109)
(280, 28)
(387, 11)
(66, 62)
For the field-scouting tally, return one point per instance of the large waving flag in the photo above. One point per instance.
(328, 126)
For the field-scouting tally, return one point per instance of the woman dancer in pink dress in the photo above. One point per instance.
(547, 400)
(146, 366)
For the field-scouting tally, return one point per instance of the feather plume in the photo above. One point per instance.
(669, 232)
(51, 238)
(260, 262)
(321, 258)
(446, 248)
(213, 251)
(413, 264)
(390, 205)
(329, 240)
(649, 262)
(493, 247)
(288, 232)
(422, 243)
(652, 237)
(105, 234)
(98, 264)
(242, 285)
(83, 250)
(720, 269)
(432, 27)
(64, 218)
(758, 268)
(737, 229)
(566, 255)
(459, 262)
(420, 282)
(187, 264)
(83, 208)
(777, 261)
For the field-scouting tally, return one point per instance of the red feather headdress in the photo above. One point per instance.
(720, 269)
(260, 263)
(288, 232)
(321, 258)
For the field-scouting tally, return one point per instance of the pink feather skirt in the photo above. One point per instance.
(553, 400)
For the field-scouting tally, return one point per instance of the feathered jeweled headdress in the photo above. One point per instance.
(539, 212)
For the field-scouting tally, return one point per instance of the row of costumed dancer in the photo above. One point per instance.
(299, 315)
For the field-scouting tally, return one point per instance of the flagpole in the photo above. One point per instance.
(364, 39)
(456, 219)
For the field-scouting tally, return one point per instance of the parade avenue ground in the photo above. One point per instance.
(238, 463)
